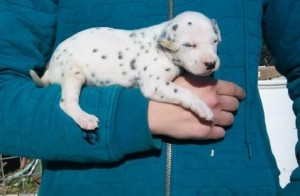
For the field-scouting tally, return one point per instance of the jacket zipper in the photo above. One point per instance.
(171, 8)
(168, 145)
(168, 169)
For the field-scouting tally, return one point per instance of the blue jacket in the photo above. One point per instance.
(124, 159)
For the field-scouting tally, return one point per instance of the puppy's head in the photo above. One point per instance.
(191, 39)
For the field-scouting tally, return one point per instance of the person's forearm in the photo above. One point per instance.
(33, 125)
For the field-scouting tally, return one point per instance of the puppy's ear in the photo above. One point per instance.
(168, 44)
(167, 38)
(216, 29)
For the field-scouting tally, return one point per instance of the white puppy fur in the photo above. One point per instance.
(149, 58)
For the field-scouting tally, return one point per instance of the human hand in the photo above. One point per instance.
(175, 121)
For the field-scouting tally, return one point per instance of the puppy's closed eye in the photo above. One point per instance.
(189, 45)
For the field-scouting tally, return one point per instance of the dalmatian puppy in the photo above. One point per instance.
(149, 58)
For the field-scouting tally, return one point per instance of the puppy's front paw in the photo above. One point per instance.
(204, 112)
(209, 116)
(87, 121)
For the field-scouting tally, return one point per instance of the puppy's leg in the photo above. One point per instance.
(71, 86)
(165, 91)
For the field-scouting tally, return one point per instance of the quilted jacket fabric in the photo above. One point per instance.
(123, 158)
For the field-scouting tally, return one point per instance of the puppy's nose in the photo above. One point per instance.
(210, 65)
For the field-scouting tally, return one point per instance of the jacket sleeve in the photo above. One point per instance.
(31, 121)
(282, 35)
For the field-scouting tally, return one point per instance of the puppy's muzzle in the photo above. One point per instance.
(210, 65)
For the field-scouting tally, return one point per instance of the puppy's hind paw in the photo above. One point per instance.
(87, 122)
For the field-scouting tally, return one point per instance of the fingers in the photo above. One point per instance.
(216, 133)
(224, 111)
(224, 119)
(230, 89)
(204, 131)
(229, 95)
(228, 103)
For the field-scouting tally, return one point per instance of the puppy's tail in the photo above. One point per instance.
(44, 81)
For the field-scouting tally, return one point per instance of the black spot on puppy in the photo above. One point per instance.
(176, 61)
(175, 27)
(187, 45)
(132, 64)
(120, 55)
(164, 35)
(95, 50)
(132, 35)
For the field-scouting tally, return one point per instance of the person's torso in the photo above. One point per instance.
(191, 167)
